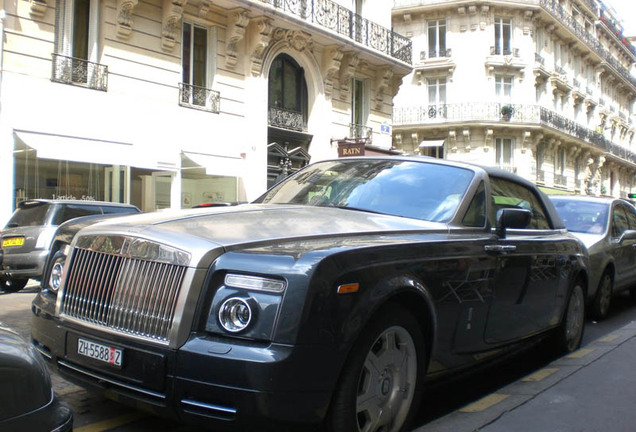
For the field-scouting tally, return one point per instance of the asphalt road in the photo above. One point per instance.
(94, 413)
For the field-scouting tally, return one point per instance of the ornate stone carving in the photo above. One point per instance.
(452, 140)
(331, 60)
(382, 80)
(298, 40)
(204, 7)
(172, 14)
(466, 135)
(488, 137)
(347, 70)
(124, 17)
(260, 41)
(237, 21)
(38, 8)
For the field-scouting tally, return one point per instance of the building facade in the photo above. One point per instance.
(173, 103)
(539, 87)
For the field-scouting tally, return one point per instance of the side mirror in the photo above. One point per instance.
(628, 235)
(512, 218)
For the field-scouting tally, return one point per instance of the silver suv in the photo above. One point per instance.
(26, 238)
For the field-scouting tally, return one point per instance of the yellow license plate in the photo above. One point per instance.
(13, 241)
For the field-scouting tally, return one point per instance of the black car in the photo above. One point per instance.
(26, 238)
(27, 400)
(331, 300)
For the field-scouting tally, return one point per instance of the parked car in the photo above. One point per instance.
(607, 226)
(332, 299)
(26, 239)
(27, 402)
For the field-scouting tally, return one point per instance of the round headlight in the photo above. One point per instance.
(57, 271)
(235, 314)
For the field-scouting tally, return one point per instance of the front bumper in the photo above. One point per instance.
(23, 265)
(206, 382)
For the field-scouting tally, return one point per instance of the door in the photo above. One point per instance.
(624, 252)
(527, 275)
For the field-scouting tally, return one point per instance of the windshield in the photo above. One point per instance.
(582, 217)
(426, 191)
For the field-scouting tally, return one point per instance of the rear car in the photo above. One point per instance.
(607, 227)
(26, 238)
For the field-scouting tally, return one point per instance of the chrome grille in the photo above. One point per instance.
(130, 295)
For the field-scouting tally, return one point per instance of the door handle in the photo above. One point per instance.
(502, 249)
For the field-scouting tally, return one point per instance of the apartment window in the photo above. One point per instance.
(503, 88)
(197, 68)
(359, 102)
(559, 166)
(503, 35)
(437, 38)
(76, 45)
(437, 91)
(504, 153)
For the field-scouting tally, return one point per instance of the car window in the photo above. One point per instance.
(507, 194)
(631, 216)
(69, 211)
(582, 216)
(619, 221)
(476, 214)
(119, 209)
(29, 214)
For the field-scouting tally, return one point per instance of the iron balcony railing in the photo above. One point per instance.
(201, 98)
(286, 119)
(332, 16)
(560, 180)
(123, 294)
(360, 131)
(492, 112)
(80, 72)
(539, 59)
(560, 70)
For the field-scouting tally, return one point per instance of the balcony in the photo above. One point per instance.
(360, 132)
(200, 98)
(286, 119)
(79, 72)
(490, 112)
(332, 16)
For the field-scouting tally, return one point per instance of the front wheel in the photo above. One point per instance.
(603, 298)
(570, 332)
(381, 381)
(12, 285)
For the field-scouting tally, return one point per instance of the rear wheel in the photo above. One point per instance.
(12, 285)
(381, 381)
(570, 332)
(603, 297)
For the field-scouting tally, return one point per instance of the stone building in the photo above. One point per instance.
(172, 103)
(538, 87)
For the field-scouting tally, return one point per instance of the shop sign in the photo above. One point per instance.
(346, 149)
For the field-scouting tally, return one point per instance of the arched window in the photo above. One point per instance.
(287, 94)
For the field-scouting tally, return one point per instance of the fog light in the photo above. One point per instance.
(235, 314)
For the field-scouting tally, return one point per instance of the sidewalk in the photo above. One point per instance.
(592, 389)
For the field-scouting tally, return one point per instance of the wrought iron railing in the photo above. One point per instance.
(80, 72)
(330, 15)
(560, 180)
(437, 54)
(589, 90)
(286, 119)
(539, 59)
(521, 114)
(201, 98)
(360, 131)
(497, 50)
(560, 70)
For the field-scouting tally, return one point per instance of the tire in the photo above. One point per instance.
(603, 298)
(12, 285)
(382, 378)
(570, 332)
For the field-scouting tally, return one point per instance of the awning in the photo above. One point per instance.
(227, 166)
(432, 143)
(75, 149)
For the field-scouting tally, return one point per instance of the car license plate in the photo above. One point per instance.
(100, 352)
(13, 241)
